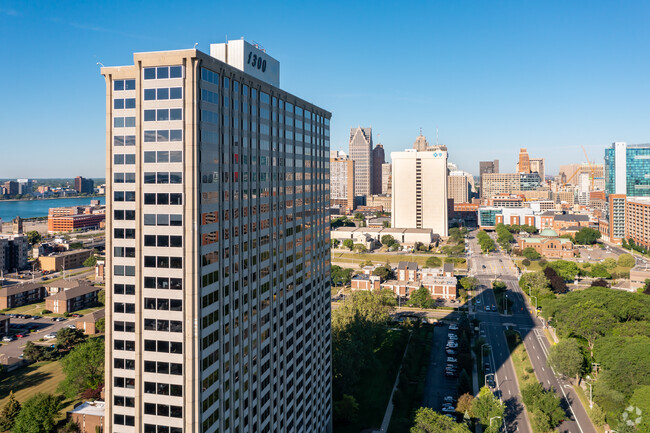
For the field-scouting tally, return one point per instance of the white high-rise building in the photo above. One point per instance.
(217, 288)
(420, 189)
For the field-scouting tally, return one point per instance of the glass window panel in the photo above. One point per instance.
(149, 136)
(150, 156)
(176, 93)
(176, 114)
(163, 156)
(162, 72)
(163, 135)
(175, 72)
(176, 135)
(149, 73)
(149, 115)
(176, 156)
(162, 177)
(149, 94)
(118, 85)
(118, 140)
(129, 140)
(163, 93)
(163, 114)
(129, 85)
(129, 158)
(118, 122)
(118, 104)
(129, 103)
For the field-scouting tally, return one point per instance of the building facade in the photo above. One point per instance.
(627, 169)
(499, 183)
(386, 179)
(378, 161)
(341, 180)
(83, 185)
(221, 244)
(523, 166)
(486, 167)
(361, 153)
(419, 197)
(637, 221)
(537, 166)
(458, 186)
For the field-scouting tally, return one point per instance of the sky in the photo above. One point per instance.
(489, 76)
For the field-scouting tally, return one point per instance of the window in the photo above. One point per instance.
(149, 115)
(176, 93)
(149, 73)
(149, 94)
(124, 85)
(162, 93)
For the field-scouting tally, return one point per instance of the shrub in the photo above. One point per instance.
(525, 262)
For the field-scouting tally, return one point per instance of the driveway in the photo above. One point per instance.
(46, 326)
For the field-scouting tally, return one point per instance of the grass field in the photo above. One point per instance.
(523, 366)
(36, 309)
(353, 259)
(38, 377)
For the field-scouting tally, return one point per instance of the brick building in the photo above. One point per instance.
(78, 298)
(21, 294)
(89, 416)
(67, 260)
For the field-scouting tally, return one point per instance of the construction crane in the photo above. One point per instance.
(591, 168)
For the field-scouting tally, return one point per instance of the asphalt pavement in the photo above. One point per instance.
(521, 318)
(46, 326)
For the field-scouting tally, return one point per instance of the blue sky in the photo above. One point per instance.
(492, 76)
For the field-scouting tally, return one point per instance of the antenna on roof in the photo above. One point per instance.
(195, 44)
(420, 130)
(100, 64)
(436, 135)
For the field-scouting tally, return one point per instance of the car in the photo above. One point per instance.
(72, 327)
(448, 409)
(450, 352)
(478, 301)
(49, 336)
(60, 319)
(453, 327)
(45, 278)
(494, 308)
(486, 367)
(483, 266)
(8, 339)
(452, 345)
(27, 316)
(452, 336)
(449, 399)
(451, 373)
(20, 335)
(36, 317)
(487, 308)
(451, 359)
(491, 383)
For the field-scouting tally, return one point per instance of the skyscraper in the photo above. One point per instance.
(420, 189)
(386, 178)
(485, 167)
(341, 180)
(627, 169)
(537, 166)
(361, 154)
(524, 161)
(458, 186)
(378, 159)
(218, 290)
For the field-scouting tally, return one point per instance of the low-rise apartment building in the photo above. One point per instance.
(366, 282)
(21, 294)
(67, 260)
(78, 298)
(637, 221)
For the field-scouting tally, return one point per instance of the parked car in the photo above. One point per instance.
(449, 373)
(452, 344)
(486, 367)
(71, 326)
(452, 336)
(49, 336)
(453, 327)
(487, 308)
(451, 359)
(36, 317)
(448, 409)
(8, 339)
(449, 399)
(450, 352)
(20, 335)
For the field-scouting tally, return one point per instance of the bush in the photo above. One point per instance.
(626, 260)
(43, 312)
(66, 314)
(525, 262)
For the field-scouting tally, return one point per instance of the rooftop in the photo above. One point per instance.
(411, 266)
(96, 408)
(75, 292)
(19, 288)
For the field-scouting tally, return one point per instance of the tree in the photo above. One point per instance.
(9, 413)
(609, 263)
(83, 368)
(525, 262)
(599, 270)
(557, 283)
(67, 338)
(34, 353)
(486, 406)
(566, 358)
(420, 298)
(565, 269)
(626, 261)
(531, 253)
(360, 248)
(383, 272)
(469, 283)
(587, 236)
(33, 237)
(348, 243)
(38, 414)
(101, 297)
(346, 409)
(387, 240)
(429, 421)
(641, 399)
(433, 262)
(335, 243)
(100, 325)
(544, 405)
(70, 427)
(90, 261)
(599, 283)
(359, 216)
(340, 276)
(464, 404)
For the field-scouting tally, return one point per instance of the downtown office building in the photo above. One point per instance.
(218, 298)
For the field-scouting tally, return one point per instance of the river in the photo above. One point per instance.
(39, 208)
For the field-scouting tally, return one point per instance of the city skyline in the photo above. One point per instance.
(488, 80)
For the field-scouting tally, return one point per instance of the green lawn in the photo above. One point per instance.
(36, 309)
(523, 366)
(382, 258)
(27, 381)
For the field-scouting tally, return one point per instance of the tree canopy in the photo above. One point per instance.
(9, 413)
(38, 414)
(340, 276)
(587, 236)
(531, 253)
(486, 406)
(429, 421)
(83, 368)
(566, 357)
(433, 262)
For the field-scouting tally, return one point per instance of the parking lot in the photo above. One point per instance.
(30, 329)
(438, 384)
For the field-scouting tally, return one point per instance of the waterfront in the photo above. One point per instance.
(39, 208)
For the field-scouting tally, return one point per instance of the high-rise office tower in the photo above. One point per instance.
(386, 178)
(523, 166)
(459, 186)
(485, 167)
(341, 180)
(419, 197)
(421, 144)
(218, 316)
(361, 154)
(378, 159)
(627, 169)
(537, 166)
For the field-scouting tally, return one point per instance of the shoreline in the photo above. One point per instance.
(90, 197)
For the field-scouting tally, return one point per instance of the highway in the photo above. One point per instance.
(500, 266)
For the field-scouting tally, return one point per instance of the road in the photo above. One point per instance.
(499, 265)
(46, 326)
(438, 385)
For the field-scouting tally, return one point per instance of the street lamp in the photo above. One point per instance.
(591, 393)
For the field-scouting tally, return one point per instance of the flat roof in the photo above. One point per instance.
(96, 408)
